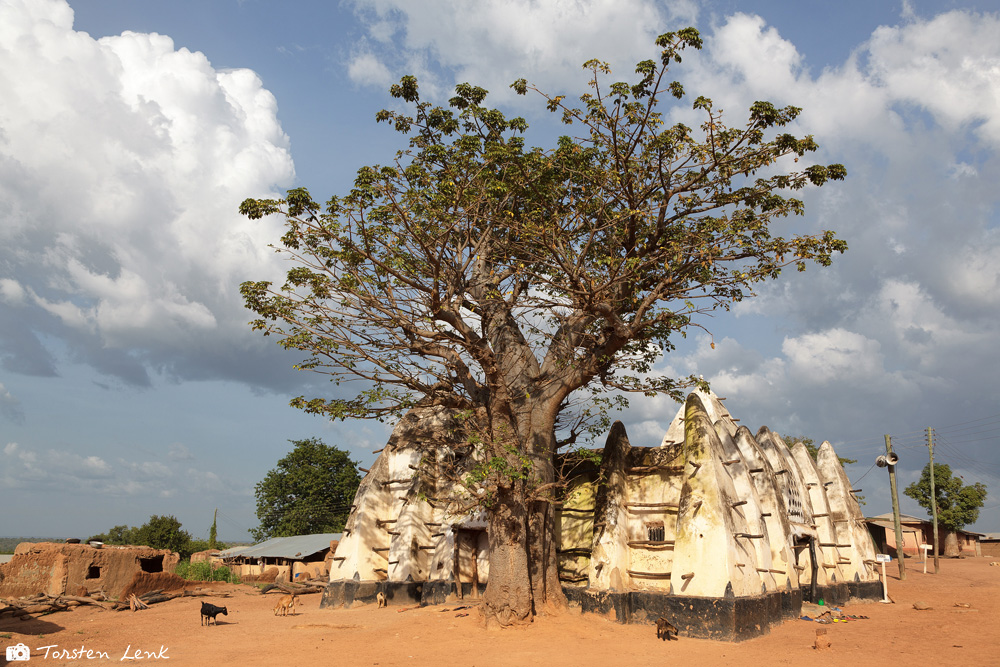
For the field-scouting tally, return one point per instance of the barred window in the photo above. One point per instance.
(655, 531)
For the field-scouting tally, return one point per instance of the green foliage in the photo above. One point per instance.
(123, 535)
(160, 532)
(164, 532)
(475, 271)
(9, 544)
(581, 459)
(213, 533)
(310, 491)
(203, 571)
(958, 504)
(117, 535)
(498, 471)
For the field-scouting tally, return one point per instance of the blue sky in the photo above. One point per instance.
(130, 130)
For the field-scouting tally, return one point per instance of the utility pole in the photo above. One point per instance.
(930, 448)
(895, 508)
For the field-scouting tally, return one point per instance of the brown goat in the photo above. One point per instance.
(286, 603)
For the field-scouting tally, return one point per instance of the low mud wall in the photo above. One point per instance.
(54, 568)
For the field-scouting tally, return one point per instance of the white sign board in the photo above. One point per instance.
(883, 559)
(925, 548)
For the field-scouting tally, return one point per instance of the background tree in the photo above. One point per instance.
(310, 491)
(160, 532)
(213, 533)
(497, 280)
(958, 504)
(164, 532)
(117, 535)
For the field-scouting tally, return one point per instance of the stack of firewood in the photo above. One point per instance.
(41, 604)
(298, 588)
(134, 602)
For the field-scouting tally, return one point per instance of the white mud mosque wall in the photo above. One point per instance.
(720, 530)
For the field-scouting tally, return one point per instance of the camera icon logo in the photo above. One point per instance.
(18, 652)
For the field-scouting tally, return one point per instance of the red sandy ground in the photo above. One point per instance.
(251, 635)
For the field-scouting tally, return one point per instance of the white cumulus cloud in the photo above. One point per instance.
(491, 44)
(122, 163)
(10, 407)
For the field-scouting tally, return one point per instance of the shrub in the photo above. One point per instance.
(205, 572)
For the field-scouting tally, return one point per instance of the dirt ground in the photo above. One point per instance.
(250, 634)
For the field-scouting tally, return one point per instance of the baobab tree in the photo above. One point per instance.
(501, 280)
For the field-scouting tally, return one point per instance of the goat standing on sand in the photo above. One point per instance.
(284, 604)
(209, 613)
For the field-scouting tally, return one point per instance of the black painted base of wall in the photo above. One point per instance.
(791, 603)
(830, 594)
(865, 590)
(397, 593)
(724, 619)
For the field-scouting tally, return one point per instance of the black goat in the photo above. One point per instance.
(210, 611)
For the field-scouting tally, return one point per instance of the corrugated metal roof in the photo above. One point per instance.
(297, 547)
(905, 518)
(903, 528)
(885, 520)
(231, 551)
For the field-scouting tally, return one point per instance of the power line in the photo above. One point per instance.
(232, 522)
(971, 421)
(857, 442)
(958, 454)
(860, 447)
(970, 427)
(912, 448)
(977, 439)
(950, 453)
(912, 440)
(865, 475)
(918, 434)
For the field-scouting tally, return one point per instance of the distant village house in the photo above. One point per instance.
(919, 531)
(282, 558)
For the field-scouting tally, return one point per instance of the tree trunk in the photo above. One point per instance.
(951, 549)
(542, 544)
(508, 596)
(524, 568)
(537, 428)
